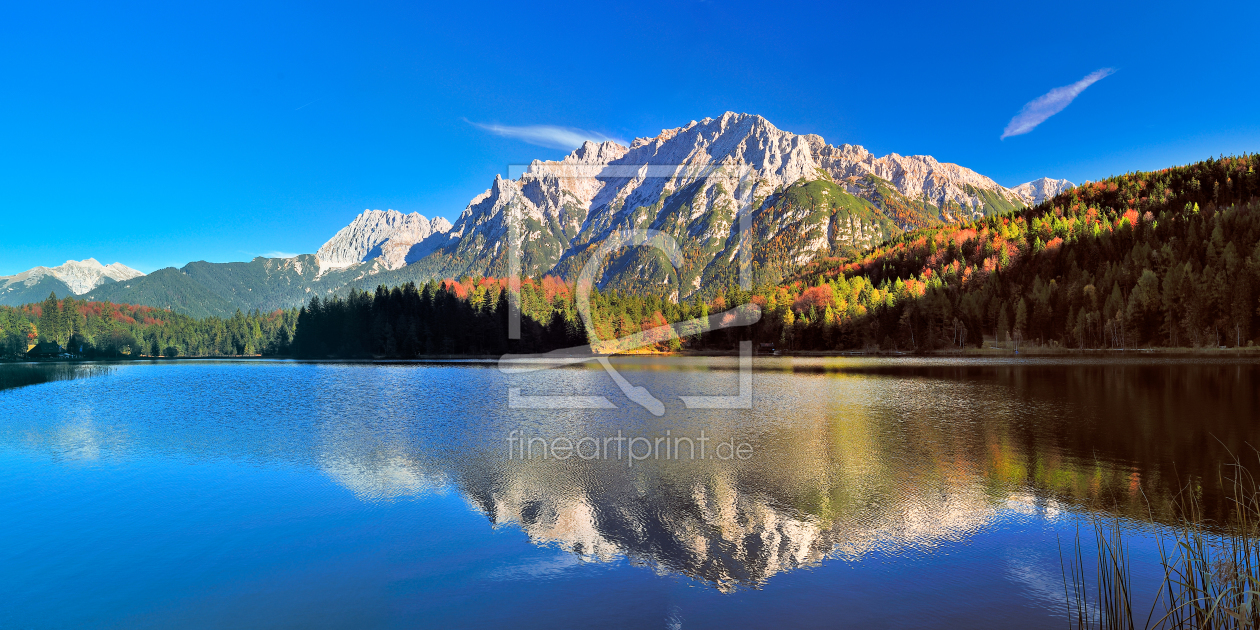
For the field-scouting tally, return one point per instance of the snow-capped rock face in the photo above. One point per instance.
(385, 234)
(1038, 190)
(80, 276)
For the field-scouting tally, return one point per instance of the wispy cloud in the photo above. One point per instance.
(279, 255)
(309, 103)
(546, 135)
(1038, 110)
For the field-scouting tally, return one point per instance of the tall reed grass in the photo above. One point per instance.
(22, 374)
(1211, 570)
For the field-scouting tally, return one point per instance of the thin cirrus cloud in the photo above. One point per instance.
(1039, 109)
(550, 136)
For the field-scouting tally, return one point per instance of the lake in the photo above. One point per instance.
(856, 492)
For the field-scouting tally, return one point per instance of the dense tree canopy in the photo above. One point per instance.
(1168, 258)
(104, 329)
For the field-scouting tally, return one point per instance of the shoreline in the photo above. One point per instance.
(1248, 352)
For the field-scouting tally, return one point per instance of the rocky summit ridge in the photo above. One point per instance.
(1039, 190)
(387, 235)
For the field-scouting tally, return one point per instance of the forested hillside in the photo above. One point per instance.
(18, 293)
(203, 289)
(107, 330)
(1161, 259)
(1165, 258)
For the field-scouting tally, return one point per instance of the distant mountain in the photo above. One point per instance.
(73, 277)
(389, 235)
(807, 200)
(1039, 190)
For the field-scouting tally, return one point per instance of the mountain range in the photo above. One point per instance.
(804, 199)
(74, 277)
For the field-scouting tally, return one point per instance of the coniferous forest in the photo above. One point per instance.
(1161, 259)
(1144, 260)
(107, 330)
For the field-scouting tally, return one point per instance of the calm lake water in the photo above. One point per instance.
(861, 493)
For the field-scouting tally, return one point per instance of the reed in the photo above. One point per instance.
(22, 374)
(1211, 571)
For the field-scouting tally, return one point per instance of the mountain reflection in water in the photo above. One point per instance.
(849, 457)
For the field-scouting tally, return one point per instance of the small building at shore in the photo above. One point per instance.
(44, 350)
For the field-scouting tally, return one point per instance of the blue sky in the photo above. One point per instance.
(157, 134)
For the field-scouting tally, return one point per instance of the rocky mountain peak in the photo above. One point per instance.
(84, 275)
(1038, 190)
(596, 153)
(387, 235)
(79, 276)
